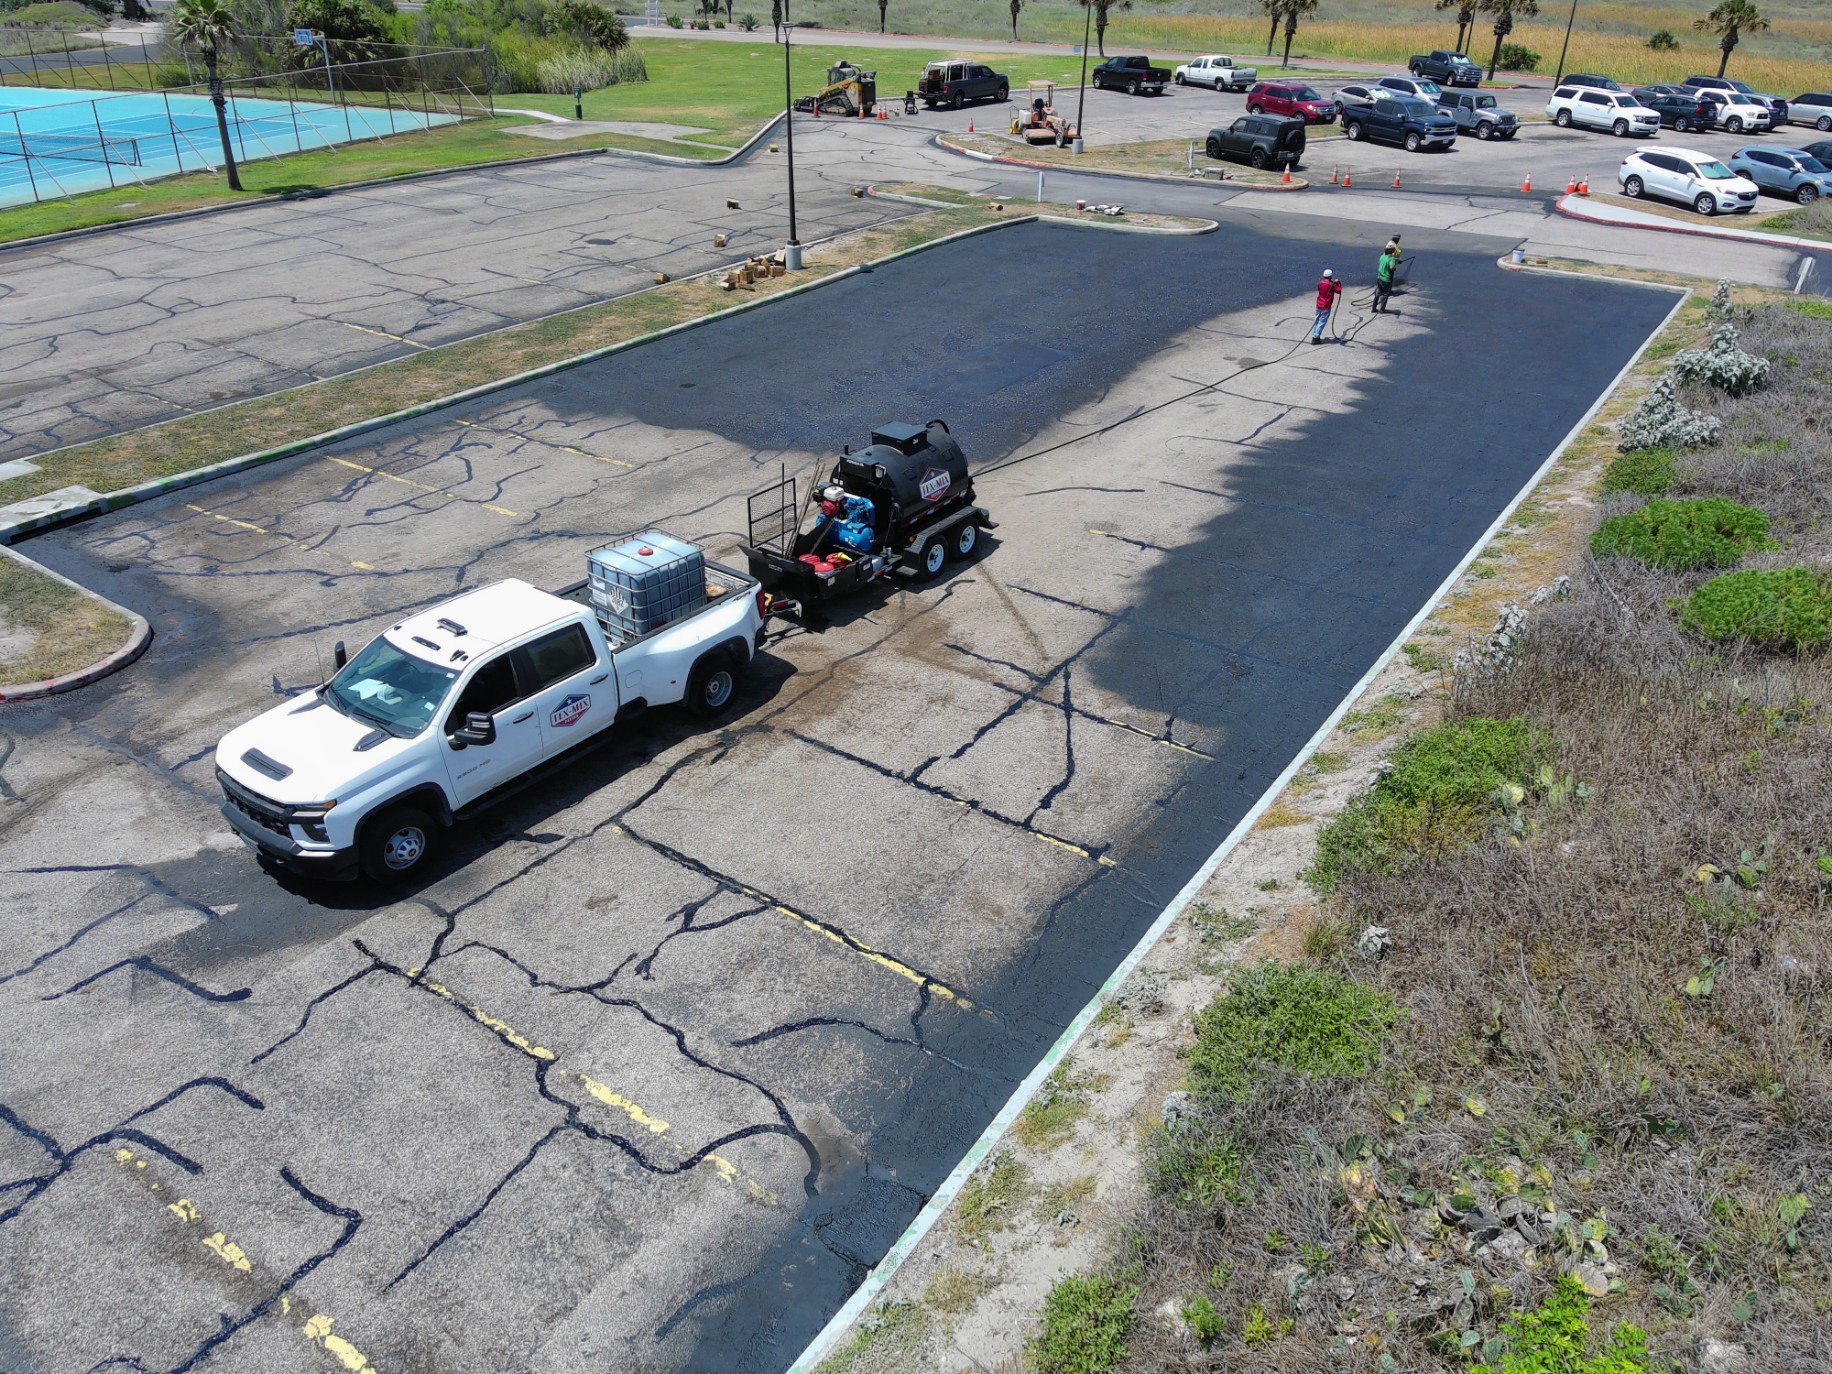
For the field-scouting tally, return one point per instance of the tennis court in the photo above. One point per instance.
(61, 143)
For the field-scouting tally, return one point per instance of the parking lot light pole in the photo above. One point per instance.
(1566, 46)
(791, 251)
(1081, 96)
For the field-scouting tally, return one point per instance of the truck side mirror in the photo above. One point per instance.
(339, 656)
(479, 728)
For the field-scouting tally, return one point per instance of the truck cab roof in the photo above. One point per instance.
(456, 631)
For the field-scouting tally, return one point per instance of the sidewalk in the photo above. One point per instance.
(1603, 212)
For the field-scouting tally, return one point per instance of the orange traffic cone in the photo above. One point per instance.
(1335, 176)
(1286, 179)
(1571, 185)
(1347, 176)
(1526, 187)
(970, 126)
(817, 111)
(1584, 186)
(1396, 181)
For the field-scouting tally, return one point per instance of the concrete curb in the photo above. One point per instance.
(162, 486)
(139, 635)
(1507, 264)
(941, 141)
(176, 216)
(1565, 203)
(943, 1198)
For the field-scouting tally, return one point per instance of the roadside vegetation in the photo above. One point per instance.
(1567, 1104)
(47, 628)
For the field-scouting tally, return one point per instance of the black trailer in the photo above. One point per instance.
(921, 515)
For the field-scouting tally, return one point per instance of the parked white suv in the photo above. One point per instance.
(1691, 178)
(1593, 109)
(1735, 113)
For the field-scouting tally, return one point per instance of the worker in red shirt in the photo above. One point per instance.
(1328, 289)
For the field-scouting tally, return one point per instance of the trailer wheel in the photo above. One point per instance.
(712, 684)
(934, 557)
(966, 539)
(396, 844)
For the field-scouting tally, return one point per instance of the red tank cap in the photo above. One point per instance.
(646, 552)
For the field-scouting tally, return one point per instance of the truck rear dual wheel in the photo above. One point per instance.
(396, 844)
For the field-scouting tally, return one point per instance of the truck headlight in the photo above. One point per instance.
(311, 820)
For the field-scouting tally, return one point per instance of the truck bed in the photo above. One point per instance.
(722, 584)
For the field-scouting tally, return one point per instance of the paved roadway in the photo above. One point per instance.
(146, 322)
(671, 1046)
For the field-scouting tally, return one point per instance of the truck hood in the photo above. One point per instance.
(320, 753)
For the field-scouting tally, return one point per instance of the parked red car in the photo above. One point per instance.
(1297, 101)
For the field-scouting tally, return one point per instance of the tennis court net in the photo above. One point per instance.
(72, 147)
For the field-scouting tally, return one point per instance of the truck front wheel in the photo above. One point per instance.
(396, 844)
(712, 684)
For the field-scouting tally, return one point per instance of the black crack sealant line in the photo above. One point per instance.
(63, 1160)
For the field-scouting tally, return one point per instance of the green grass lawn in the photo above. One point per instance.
(731, 88)
(728, 89)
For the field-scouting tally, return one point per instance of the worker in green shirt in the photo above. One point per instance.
(1383, 278)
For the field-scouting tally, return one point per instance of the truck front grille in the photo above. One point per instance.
(264, 812)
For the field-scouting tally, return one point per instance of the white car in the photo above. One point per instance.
(1733, 113)
(1814, 108)
(1217, 72)
(1346, 96)
(1691, 178)
(1423, 87)
(1611, 111)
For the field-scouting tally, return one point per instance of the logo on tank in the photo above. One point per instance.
(570, 710)
(935, 484)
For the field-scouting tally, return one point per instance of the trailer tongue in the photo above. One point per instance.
(903, 505)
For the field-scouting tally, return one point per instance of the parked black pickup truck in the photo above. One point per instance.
(1131, 75)
(954, 83)
(1400, 119)
(1260, 140)
(1451, 68)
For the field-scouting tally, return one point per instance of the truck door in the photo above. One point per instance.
(570, 690)
(477, 768)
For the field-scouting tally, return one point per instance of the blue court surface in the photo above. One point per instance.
(61, 142)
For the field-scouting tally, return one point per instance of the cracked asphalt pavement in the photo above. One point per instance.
(673, 1044)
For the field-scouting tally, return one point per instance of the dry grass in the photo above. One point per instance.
(47, 628)
(1590, 1029)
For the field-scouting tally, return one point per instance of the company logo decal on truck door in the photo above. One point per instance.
(570, 710)
(935, 484)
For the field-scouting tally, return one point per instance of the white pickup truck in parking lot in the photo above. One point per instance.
(443, 711)
(1216, 72)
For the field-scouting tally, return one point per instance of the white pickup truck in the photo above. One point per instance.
(1216, 72)
(443, 711)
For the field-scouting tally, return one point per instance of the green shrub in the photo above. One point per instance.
(1555, 1338)
(748, 22)
(1198, 1165)
(1662, 40)
(579, 68)
(1518, 57)
(1206, 1324)
(1646, 472)
(1434, 798)
(1782, 608)
(1085, 1325)
(590, 25)
(1683, 535)
(1304, 1020)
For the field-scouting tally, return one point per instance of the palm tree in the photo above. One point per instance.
(1101, 7)
(1504, 12)
(1466, 19)
(210, 24)
(1293, 8)
(1275, 10)
(1730, 21)
(1016, 5)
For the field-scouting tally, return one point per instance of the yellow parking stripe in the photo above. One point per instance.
(242, 524)
(384, 334)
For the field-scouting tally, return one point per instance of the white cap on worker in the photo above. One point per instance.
(1328, 273)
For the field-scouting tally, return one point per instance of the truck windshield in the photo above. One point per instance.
(386, 687)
